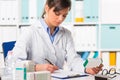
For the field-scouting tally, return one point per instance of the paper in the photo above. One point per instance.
(62, 74)
(94, 62)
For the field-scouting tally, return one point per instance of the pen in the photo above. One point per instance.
(49, 62)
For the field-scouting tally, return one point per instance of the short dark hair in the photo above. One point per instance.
(58, 4)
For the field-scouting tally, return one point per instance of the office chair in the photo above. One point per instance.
(7, 46)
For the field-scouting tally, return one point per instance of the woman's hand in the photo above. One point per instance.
(45, 67)
(94, 70)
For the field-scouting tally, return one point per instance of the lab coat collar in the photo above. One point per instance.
(59, 34)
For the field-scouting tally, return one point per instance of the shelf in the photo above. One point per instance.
(102, 50)
(93, 17)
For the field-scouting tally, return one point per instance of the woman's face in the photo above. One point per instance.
(52, 18)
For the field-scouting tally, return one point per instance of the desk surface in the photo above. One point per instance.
(61, 74)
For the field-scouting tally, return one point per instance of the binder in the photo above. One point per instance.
(118, 61)
(79, 15)
(94, 10)
(68, 19)
(91, 10)
(91, 54)
(112, 59)
(32, 11)
(87, 10)
(24, 11)
(85, 55)
(40, 7)
(96, 54)
(105, 58)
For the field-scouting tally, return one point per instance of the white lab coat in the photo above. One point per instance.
(35, 44)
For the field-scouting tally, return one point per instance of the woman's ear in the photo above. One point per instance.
(46, 8)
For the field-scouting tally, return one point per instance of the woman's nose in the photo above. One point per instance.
(61, 18)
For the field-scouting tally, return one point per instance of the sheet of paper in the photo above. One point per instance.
(94, 62)
(62, 74)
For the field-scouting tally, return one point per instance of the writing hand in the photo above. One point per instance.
(44, 67)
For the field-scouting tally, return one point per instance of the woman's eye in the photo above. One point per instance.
(57, 13)
(64, 15)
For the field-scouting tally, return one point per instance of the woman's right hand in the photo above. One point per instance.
(45, 67)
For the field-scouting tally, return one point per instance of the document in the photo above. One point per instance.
(93, 62)
(62, 74)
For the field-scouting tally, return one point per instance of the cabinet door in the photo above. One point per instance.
(110, 12)
(110, 37)
(8, 12)
(85, 38)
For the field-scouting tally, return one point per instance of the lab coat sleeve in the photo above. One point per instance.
(74, 60)
(20, 51)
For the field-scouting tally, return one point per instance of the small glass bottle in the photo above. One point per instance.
(10, 66)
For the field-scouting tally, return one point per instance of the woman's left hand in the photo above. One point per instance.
(94, 70)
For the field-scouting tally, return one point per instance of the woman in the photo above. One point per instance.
(47, 42)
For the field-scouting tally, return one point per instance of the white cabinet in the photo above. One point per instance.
(104, 14)
(105, 35)
(95, 24)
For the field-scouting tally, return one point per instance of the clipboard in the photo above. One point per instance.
(62, 74)
(67, 77)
